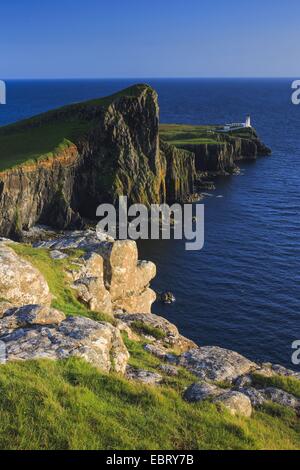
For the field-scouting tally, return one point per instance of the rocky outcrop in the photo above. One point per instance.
(34, 332)
(216, 364)
(20, 282)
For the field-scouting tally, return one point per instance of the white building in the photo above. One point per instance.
(238, 125)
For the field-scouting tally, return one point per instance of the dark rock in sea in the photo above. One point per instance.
(166, 297)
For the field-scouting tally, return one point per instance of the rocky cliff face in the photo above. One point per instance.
(119, 154)
(221, 158)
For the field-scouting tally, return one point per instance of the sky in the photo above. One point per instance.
(149, 38)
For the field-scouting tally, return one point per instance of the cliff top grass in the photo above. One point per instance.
(181, 135)
(44, 136)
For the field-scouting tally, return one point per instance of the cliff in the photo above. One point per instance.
(216, 152)
(58, 167)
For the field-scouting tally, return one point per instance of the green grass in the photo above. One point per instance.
(44, 136)
(144, 329)
(70, 405)
(182, 135)
(289, 384)
(54, 271)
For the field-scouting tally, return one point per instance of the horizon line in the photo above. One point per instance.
(155, 78)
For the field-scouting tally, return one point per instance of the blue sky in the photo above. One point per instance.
(154, 38)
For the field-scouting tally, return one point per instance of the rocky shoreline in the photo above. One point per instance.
(31, 328)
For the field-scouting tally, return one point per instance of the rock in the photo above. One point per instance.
(281, 397)
(87, 240)
(158, 351)
(143, 376)
(98, 343)
(172, 336)
(201, 391)
(126, 278)
(20, 283)
(216, 364)
(172, 371)
(89, 283)
(56, 254)
(243, 381)
(30, 315)
(236, 403)
(256, 397)
(166, 298)
(269, 370)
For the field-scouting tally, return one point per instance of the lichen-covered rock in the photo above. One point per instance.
(257, 397)
(216, 364)
(281, 397)
(270, 370)
(29, 315)
(236, 403)
(201, 391)
(144, 376)
(20, 283)
(97, 342)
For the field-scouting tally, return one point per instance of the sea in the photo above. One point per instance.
(242, 290)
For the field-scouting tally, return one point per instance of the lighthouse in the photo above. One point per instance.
(248, 121)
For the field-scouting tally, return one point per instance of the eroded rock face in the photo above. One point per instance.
(29, 316)
(20, 283)
(216, 364)
(98, 343)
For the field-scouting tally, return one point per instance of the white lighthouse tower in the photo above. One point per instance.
(248, 121)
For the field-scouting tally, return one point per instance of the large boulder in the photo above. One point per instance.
(98, 343)
(236, 402)
(20, 283)
(216, 364)
(28, 316)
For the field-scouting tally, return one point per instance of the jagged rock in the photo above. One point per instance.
(256, 397)
(236, 403)
(281, 397)
(99, 343)
(216, 364)
(20, 283)
(143, 376)
(172, 336)
(158, 351)
(29, 315)
(172, 371)
(201, 391)
(124, 328)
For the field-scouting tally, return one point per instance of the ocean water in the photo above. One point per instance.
(242, 291)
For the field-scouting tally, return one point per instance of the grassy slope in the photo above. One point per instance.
(71, 405)
(182, 134)
(43, 136)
